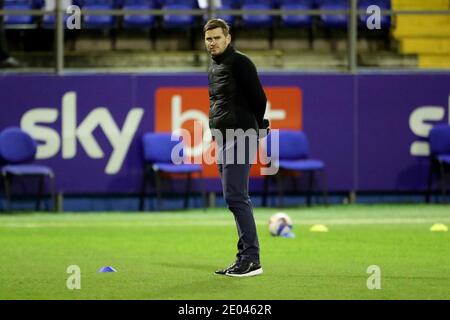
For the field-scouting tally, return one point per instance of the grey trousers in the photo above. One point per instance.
(235, 180)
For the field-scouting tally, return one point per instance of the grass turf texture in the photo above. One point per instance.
(173, 255)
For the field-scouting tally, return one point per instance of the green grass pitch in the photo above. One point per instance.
(172, 255)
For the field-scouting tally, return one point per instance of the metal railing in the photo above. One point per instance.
(211, 12)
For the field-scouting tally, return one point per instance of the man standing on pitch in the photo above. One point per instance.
(237, 102)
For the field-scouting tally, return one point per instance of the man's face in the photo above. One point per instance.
(216, 42)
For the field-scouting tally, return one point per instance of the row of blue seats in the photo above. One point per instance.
(183, 21)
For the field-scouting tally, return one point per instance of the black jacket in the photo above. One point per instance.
(237, 99)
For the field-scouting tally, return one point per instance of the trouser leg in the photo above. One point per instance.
(235, 188)
(235, 180)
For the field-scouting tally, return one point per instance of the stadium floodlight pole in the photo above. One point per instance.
(211, 14)
(211, 9)
(59, 38)
(353, 37)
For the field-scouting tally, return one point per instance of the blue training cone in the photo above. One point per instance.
(107, 269)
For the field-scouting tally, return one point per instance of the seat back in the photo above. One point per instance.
(178, 21)
(262, 20)
(98, 2)
(151, 3)
(17, 146)
(139, 20)
(334, 21)
(99, 21)
(308, 3)
(383, 4)
(17, 20)
(158, 147)
(293, 145)
(17, 2)
(440, 139)
(296, 20)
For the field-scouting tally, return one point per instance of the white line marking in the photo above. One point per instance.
(219, 223)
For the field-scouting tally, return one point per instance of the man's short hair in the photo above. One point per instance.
(217, 23)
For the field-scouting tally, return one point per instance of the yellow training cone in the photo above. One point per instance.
(318, 228)
(439, 227)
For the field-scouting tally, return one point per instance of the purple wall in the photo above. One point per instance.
(394, 111)
(361, 126)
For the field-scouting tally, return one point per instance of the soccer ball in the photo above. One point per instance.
(280, 224)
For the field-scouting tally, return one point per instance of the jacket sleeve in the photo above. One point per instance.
(247, 79)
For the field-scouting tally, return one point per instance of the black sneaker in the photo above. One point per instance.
(224, 271)
(245, 269)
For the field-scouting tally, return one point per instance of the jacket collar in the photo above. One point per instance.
(228, 51)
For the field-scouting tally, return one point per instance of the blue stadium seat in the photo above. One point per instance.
(157, 149)
(227, 5)
(99, 21)
(334, 21)
(138, 21)
(383, 4)
(260, 20)
(293, 158)
(19, 21)
(178, 21)
(18, 150)
(38, 3)
(300, 20)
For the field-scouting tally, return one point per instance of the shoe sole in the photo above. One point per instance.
(249, 274)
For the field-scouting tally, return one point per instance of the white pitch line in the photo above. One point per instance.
(124, 224)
